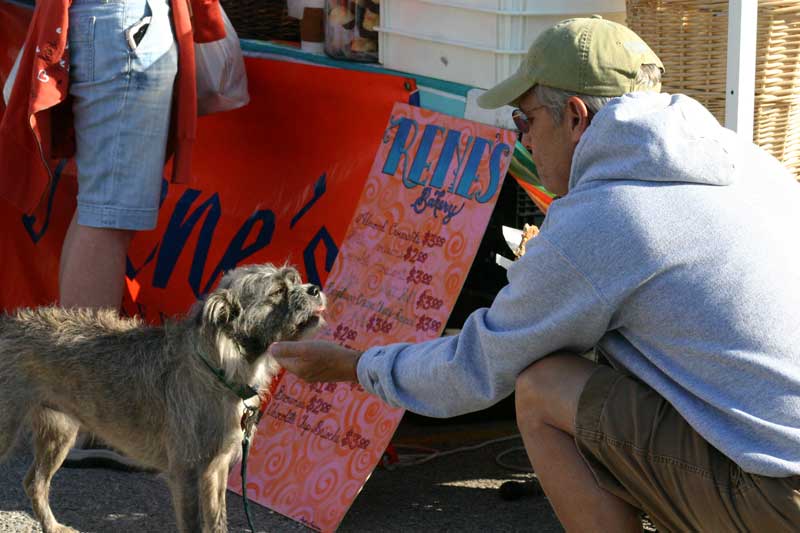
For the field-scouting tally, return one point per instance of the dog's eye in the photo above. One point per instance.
(277, 289)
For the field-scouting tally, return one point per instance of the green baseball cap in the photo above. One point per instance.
(590, 56)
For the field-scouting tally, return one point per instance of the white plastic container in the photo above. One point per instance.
(475, 42)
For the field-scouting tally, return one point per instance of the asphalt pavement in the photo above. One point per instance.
(453, 492)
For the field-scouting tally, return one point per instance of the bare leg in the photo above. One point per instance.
(92, 272)
(53, 434)
(547, 396)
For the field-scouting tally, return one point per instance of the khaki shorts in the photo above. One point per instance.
(641, 450)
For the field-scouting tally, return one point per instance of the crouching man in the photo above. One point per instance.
(672, 250)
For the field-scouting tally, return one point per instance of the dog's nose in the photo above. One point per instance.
(313, 290)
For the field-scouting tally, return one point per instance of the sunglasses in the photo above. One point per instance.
(521, 120)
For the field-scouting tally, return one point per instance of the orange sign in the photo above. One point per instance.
(401, 266)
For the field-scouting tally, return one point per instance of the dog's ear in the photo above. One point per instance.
(220, 308)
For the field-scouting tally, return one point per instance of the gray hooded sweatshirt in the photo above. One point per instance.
(677, 252)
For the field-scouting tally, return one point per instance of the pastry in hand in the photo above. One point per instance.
(529, 231)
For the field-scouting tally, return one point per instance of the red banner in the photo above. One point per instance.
(266, 192)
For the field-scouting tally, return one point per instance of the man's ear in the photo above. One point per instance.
(577, 117)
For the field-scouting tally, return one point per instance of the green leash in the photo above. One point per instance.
(245, 392)
(250, 419)
(254, 415)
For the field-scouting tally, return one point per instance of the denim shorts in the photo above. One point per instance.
(122, 89)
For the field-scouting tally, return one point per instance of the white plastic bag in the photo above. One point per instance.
(221, 76)
(12, 76)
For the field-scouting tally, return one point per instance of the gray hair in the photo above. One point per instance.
(648, 78)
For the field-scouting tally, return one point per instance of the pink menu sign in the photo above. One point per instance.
(401, 266)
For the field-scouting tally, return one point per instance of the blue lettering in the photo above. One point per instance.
(177, 233)
(421, 163)
(400, 146)
(28, 221)
(319, 190)
(237, 251)
(436, 201)
(495, 163)
(470, 174)
(450, 148)
(331, 251)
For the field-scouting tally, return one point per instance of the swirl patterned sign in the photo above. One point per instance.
(401, 266)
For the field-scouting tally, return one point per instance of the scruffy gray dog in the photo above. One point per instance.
(147, 390)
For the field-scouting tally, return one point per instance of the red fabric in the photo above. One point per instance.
(207, 21)
(36, 127)
(265, 159)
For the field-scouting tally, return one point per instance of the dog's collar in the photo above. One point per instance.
(245, 392)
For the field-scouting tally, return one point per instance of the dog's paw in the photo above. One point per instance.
(64, 529)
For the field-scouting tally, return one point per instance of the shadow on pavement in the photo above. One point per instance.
(456, 492)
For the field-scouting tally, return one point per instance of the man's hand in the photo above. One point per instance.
(315, 361)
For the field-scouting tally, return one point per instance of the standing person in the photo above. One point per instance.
(123, 63)
(120, 75)
(672, 251)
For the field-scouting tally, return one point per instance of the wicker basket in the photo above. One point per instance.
(690, 37)
(267, 20)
